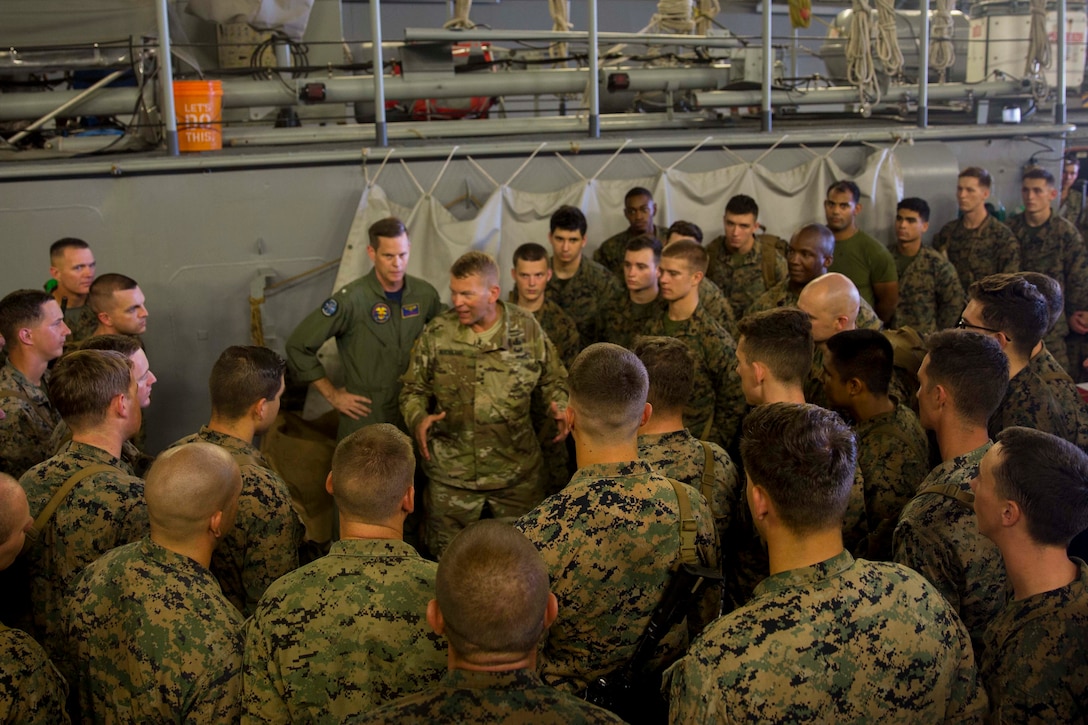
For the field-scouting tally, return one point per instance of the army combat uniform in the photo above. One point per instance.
(516, 697)
(1035, 664)
(841, 641)
(978, 253)
(608, 540)
(930, 295)
(613, 250)
(938, 537)
(1074, 209)
(374, 335)
(82, 321)
(155, 639)
(1043, 396)
(484, 452)
(717, 306)
(263, 544)
(342, 635)
(585, 296)
(740, 276)
(32, 691)
(28, 422)
(625, 320)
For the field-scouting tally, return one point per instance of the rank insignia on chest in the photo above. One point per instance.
(380, 312)
(329, 307)
(410, 310)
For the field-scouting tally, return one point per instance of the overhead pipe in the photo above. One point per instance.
(482, 35)
(71, 103)
(849, 94)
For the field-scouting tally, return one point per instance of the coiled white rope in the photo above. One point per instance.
(460, 19)
(1038, 50)
(860, 70)
(706, 11)
(560, 23)
(942, 52)
(887, 39)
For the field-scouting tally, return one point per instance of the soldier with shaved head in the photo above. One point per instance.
(154, 638)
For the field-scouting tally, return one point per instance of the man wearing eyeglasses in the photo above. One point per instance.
(639, 209)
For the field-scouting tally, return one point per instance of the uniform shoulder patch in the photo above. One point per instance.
(381, 312)
(329, 307)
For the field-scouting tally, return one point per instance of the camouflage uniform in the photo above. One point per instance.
(103, 511)
(517, 697)
(613, 250)
(625, 320)
(781, 295)
(717, 401)
(978, 253)
(740, 276)
(485, 450)
(28, 422)
(608, 540)
(1057, 250)
(1043, 397)
(930, 295)
(155, 639)
(344, 634)
(680, 456)
(32, 691)
(1074, 209)
(893, 456)
(711, 297)
(82, 321)
(133, 457)
(263, 544)
(938, 537)
(1035, 664)
(585, 296)
(842, 641)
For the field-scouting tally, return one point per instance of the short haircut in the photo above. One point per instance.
(671, 369)
(863, 354)
(742, 204)
(846, 186)
(530, 252)
(803, 456)
(1014, 306)
(979, 174)
(19, 309)
(1038, 172)
(371, 470)
(1048, 479)
(608, 386)
(569, 219)
(689, 251)
(973, 368)
(637, 191)
(1051, 291)
(85, 382)
(781, 339)
(916, 205)
(57, 248)
(685, 229)
(127, 345)
(645, 241)
(492, 589)
(187, 485)
(243, 375)
(389, 228)
(103, 287)
(476, 263)
(824, 236)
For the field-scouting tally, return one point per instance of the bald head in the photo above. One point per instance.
(188, 485)
(14, 519)
(832, 303)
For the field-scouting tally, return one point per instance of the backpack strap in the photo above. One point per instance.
(1056, 375)
(62, 493)
(950, 490)
(706, 482)
(689, 554)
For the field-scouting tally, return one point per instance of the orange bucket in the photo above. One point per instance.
(198, 106)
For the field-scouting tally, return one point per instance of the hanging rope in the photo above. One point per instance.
(1038, 51)
(887, 39)
(673, 16)
(705, 13)
(560, 23)
(860, 70)
(460, 19)
(942, 53)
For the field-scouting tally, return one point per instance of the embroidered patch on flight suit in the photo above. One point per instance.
(380, 312)
(410, 310)
(329, 307)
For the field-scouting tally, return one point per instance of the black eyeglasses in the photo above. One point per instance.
(965, 325)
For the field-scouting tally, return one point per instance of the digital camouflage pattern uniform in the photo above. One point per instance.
(711, 298)
(1057, 250)
(1043, 396)
(32, 691)
(893, 456)
(136, 459)
(155, 640)
(717, 402)
(516, 697)
(978, 253)
(938, 537)
(263, 544)
(740, 276)
(342, 635)
(842, 641)
(374, 336)
(625, 320)
(608, 540)
(680, 456)
(612, 251)
(930, 295)
(28, 422)
(103, 511)
(485, 450)
(1035, 664)
(585, 296)
(781, 295)
(1074, 209)
(82, 321)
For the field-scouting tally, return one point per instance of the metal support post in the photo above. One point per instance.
(166, 80)
(381, 131)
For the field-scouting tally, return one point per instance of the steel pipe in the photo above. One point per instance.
(72, 103)
(438, 35)
(1059, 105)
(166, 79)
(923, 67)
(380, 132)
(849, 94)
(594, 89)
